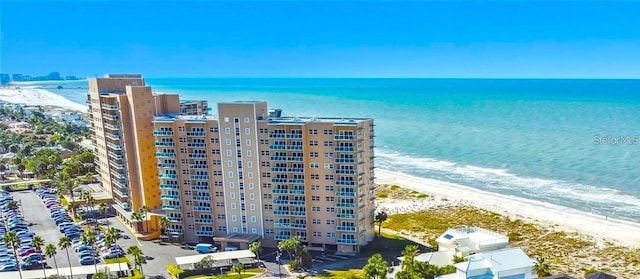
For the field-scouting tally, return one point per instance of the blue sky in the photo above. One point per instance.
(322, 39)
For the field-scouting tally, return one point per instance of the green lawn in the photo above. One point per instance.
(342, 274)
(117, 260)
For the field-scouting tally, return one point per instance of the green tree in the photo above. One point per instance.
(138, 257)
(376, 267)
(205, 263)
(3, 168)
(89, 238)
(11, 239)
(238, 268)
(380, 218)
(112, 236)
(144, 211)
(137, 217)
(50, 252)
(12, 205)
(255, 248)
(164, 224)
(103, 273)
(65, 243)
(37, 242)
(541, 267)
(21, 169)
(409, 255)
(289, 245)
(458, 259)
(103, 212)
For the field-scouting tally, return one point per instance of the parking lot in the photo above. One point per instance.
(39, 221)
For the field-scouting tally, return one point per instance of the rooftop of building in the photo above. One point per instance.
(498, 261)
(272, 120)
(475, 234)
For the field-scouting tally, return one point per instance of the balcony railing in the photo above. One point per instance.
(165, 155)
(345, 194)
(199, 177)
(162, 133)
(109, 107)
(198, 166)
(345, 171)
(281, 225)
(170, 207)
(112, 127)
(282, 237)
(196, 144)
(164, 143)
(197, 155)
(344, 137)
(120, 193)
(195, 134)
(201, 198)
(289, 213)
(203, 221)
(200, 188)
(110, 116)
(175, 231)
(346, 241)
(170, 197)
(169, 187)
(114, 146)
(344, 149)
(345, 182)
(204, 233)
(167, 176)
(346, 216)
(346, 204)
(174, 219)
(166, 166)
(202, 208)
(346, 160)
(346, 228)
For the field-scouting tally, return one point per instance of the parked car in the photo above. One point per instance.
(89, 260)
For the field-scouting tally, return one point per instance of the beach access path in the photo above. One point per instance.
(603, 229)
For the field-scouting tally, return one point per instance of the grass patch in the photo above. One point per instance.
(117, 260)
(245, 274)
(342, 274)
(63, 201)
(136, 275)
(395, 187)
(422, 196)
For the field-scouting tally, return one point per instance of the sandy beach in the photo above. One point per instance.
(37, 97)
(570, 220)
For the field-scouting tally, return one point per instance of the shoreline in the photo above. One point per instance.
(38, 97)
(620, 232)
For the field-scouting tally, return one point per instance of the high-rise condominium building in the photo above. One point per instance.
(248, 174)
(122, 109)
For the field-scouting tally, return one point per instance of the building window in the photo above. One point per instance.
(227, 141)
(328, 143)
(191, 227)
(317, 234)
(251, 186)
(264, 130)
(252, 196)
(313, 131)
(235, 229)
(233, 206)
(315, 187)
(316, 221)
(315, 198)
(229, 153)
(234, 218)
(232, 196)
(331, 222)
(248, 153)
(227, 130)
(331, 235)
(246, 120)
(222, 228)
(328, 132)
(315, 176)
(253, 219)
(328, 166)
(328, 154)
(226, 119)
(329, 188)
(254, 230)
(315, 209)
(229, 163)
(247, 131)
(331, 209)
(328, 176)
(313, 143)
(269, 231)
(330, 199)
(247, 142)
(230, 174)
(221, 216)
(313, 165)
(252, 207)
(231, 185)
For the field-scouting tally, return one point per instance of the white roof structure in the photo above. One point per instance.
(439, 258)
(492, 264)
(220, 256)
(64, 271)
(472, 239)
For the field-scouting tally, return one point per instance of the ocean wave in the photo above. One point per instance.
(587, 198)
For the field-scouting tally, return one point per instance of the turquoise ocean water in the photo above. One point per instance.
(566, 142)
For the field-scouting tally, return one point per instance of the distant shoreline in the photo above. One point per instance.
(35, 96)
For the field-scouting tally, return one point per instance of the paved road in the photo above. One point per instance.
(35, 213)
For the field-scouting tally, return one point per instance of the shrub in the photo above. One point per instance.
(395, 187)
(174, 270)
(423, 196)
(514, 236)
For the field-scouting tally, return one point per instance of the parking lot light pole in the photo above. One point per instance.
(278, 261)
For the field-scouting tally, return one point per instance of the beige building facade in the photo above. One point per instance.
(248, 174)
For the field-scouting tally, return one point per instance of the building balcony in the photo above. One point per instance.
(116, 165)
(198, 166)
(114, 146)
(345, 182)
(344, 137)
(345, 194)
(346, 228)
(346, 204)
(164, 143)
(109, 106)
(120, 193)
(279, 191)
(120, 183)
(165, 155)
(119, 176)
(114, 155)
(202, 208)
(295, 158)
(203, 221)
(174, 219)
(111, 126)
(167, 176)
(112, 136)
(293, 136)
(344, 149)
(196, 144)
(280, 225)
(195, 134)
(346, 171)
(110, 116)
(169, 187)
(287, 202)
(201, 198)
(277, 147)
(170, 197)
(162, 133)
(346, 241)
(289, 213)
(166, 166)
(276, 135)
(197, 155)
(200, 188)
(170, 207)
(278, 169)
(278, 158)
(346, 216)
(346, 160)
(282, 237)
(204, 233)
(199, 177)
(175, 231)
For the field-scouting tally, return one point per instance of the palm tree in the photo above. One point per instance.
(238, 268)
(12, 205)
(103, 211)
(112, 236)
(542, 268)
(381, 217)
(89, 238)
(255, 248)
(376, 267)
(164, 224)
(21, 169)
(144, 210)
(12, 240)
(50, 252)
(137, 217)
(138, 257)
(37, 242)
(409, 254)
(64, 243)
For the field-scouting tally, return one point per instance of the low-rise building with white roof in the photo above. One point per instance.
(470, 240)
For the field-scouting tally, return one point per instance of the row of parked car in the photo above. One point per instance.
(66, 225)
(13, 221)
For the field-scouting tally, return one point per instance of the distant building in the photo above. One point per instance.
(71, 78)
(194, 107)
(466, 241)
(17, 77)
(27, 78)
(4, 78)
(54, 76)
(510, 263)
